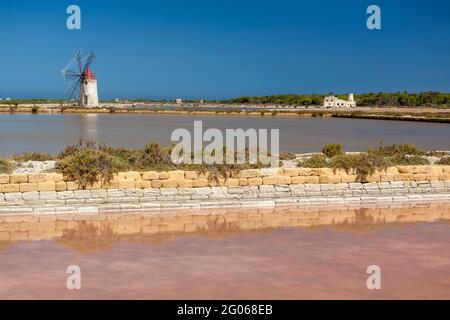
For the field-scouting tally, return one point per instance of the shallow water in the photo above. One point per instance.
(50, 133)
(282, 253)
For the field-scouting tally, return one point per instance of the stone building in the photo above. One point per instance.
(334, 102)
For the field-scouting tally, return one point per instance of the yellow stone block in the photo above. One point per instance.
(405, 169)
(290, 172)
(130, 175)
(200, 183)
(156, 183)
(150, 175)
(163, 175)
(18, 178)
(432, 177)
(376, 177)
(37, 177)
(6, 188)
(145, 184)
(304, 171)
(4, 178)
(330, 179)
(243, 182)
(60, 186)
(419, 177)
(445, 169)
(179, 174)
(271, 180)
(127, 184)
(97, 185)
(190, 174)
(298, 180)
(55, 177)
(185, 183)
(249, 173)
(387, 177)
(203, 175)
(28, 187)
(312, 179)
(444, 177)
(46, 186)
(232, 182)
(322, 171)
(392, 170)
(113, 184)
(71, 185)
(284, 180)
(170, 183)
(255, 181)
(346, 178)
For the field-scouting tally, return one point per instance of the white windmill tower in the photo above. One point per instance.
(78, 75)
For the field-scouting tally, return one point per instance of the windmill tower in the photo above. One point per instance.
(79, 77)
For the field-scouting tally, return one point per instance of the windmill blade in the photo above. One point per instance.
(79, 59)
(73, 88)
(89, 61)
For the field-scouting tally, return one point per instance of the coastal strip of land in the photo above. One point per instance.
(422, 114)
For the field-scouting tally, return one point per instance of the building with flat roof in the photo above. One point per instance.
(334, 102)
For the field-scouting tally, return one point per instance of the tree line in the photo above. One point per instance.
(421, 99)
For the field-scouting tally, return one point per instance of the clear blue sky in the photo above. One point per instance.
(220, 49)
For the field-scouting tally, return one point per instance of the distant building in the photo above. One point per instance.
(334, 102)
(179, 101)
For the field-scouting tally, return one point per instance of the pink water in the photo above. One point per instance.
(320, 261)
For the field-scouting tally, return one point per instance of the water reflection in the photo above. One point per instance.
(89, 126)
(94, 233)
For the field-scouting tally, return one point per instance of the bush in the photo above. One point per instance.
(331, 150)
(444, 161)
(395, 150)
(287, 155)
(6, 167)
(34, 156)
(153, 155)
(362, 164)
(87, 166)
(315, 161)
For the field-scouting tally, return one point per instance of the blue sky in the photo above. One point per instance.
(220, 49)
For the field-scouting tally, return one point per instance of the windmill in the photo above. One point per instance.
(80, 80)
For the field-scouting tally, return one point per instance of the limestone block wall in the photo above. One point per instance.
(50, 192)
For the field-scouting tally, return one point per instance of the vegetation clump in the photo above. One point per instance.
(6, 167)
(34, 156)
(444, 161)
(366, 163)
(86, 164)
(331, 150)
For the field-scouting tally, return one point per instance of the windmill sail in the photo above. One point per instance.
(74, 70)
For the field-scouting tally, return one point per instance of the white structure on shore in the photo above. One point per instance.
(88, 89)
(179, 101)
(334, 102)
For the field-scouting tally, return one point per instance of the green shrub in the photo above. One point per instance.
(6, 167)
(444, 161)
(315, 161)
(331, 150)
(363, 164)
(285, 155)
(153, 156)
(396, 150)
(87, 166)
(34, 156)
(71, 149)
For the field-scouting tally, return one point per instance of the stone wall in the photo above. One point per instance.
(49, 192)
